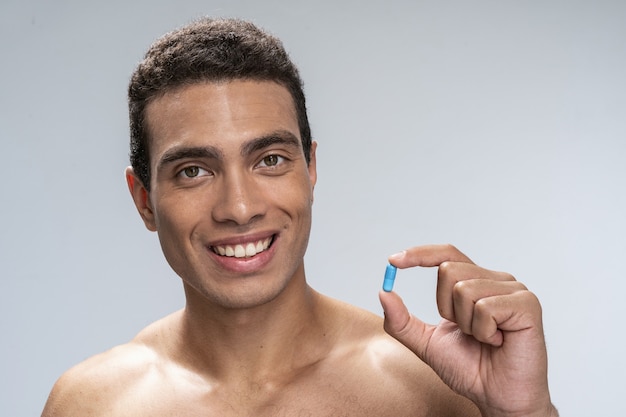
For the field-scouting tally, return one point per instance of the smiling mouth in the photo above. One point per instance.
(243, 250)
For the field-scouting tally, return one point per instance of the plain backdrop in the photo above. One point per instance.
(498, 126)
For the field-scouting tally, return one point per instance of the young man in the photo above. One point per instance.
(223, 169)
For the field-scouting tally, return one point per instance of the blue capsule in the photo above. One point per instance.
(390, 277)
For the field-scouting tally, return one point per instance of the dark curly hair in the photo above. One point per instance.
(208, 50)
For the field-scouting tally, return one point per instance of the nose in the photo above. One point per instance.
(239, 200)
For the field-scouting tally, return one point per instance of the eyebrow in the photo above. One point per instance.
(279, 137)
(178, 153)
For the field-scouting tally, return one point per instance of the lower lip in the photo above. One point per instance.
(246, 265)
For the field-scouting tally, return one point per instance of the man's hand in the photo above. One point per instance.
(489, 345)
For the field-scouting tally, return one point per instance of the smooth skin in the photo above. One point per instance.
(254, 339)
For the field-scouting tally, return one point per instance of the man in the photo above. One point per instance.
(223, 169)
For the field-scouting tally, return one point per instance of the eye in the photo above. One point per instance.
(271, 160)
(193, 172)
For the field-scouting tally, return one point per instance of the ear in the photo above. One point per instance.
(140, 196)
(312, 167)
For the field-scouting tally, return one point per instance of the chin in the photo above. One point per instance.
(238, 296)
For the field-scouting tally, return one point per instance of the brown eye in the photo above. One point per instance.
(191, 171)
(271, 160)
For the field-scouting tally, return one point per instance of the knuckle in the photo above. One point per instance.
(508, 277)
(482, 306)
(530, 298)
(450, 248)
(461, 288)
(445, 268)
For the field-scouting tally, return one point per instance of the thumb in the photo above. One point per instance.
(403, 326)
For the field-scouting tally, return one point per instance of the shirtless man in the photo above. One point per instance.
(223, 169)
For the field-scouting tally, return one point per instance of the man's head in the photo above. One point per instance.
(208, 51)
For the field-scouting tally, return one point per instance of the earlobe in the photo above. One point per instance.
(141, 198)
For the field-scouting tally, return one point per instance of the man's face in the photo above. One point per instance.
(231, 191)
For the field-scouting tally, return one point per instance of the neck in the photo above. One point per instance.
(276, 338)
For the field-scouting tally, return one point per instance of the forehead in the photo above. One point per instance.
(223, 115)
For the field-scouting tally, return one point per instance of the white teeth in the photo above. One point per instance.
(250, 249)
(243, 251)
(240, 252)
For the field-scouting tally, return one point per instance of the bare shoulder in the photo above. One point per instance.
(392, 377)
(86, 388)
(92, 387)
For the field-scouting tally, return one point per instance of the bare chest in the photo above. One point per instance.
(332, 397)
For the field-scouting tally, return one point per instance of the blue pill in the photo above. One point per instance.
(390, 277)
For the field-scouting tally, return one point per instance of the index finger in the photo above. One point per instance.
(428, 256)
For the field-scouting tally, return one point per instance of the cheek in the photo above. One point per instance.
(294, 201)
(175, 228)
(299, 192)
(300, 206)
(175, 208)
(174, 220)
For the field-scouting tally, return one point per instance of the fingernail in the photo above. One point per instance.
(397, 255)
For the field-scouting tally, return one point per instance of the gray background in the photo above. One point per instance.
(499, 126)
